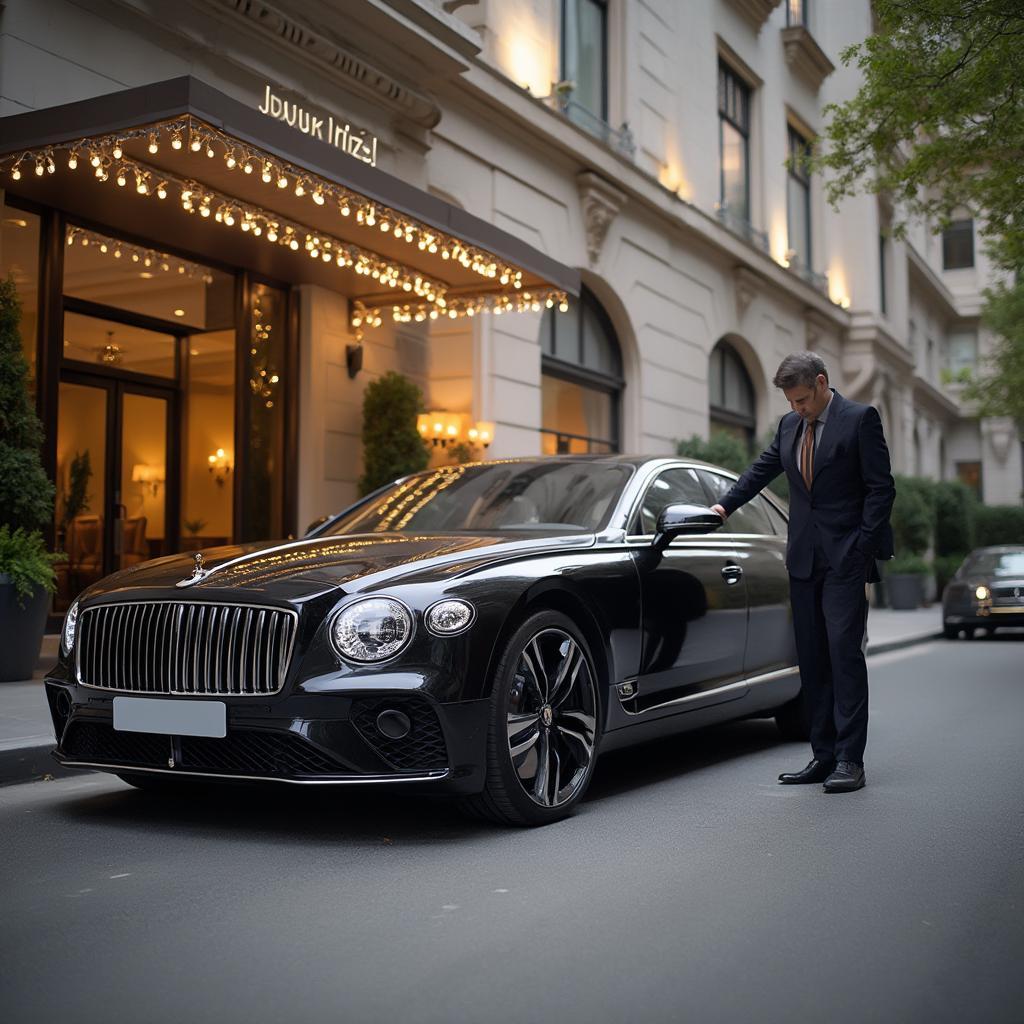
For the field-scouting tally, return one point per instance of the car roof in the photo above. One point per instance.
(614, 459)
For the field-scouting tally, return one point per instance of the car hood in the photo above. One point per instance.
(294, 568)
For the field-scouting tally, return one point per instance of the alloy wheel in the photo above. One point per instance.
(552, 718)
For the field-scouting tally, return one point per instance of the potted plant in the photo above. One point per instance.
(26, 505)
(904, 577)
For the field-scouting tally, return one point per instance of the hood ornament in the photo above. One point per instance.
(198, 572)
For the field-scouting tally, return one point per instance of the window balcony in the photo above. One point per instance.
(742, 227)
(619, 139)
(817, 281)
(757, 12)
(805, 56)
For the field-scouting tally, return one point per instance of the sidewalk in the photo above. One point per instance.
(26, 734)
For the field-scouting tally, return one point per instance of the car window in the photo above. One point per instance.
(750, 518)
(671, 487)
(778, 520)
(997, 563)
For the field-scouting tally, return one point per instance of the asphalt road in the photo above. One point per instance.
(689, 887)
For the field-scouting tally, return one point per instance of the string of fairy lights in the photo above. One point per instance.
(107, 158)
(146, 258)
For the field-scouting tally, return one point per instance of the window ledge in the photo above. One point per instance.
(742, 228)
(757, 12)
(621, 140)
(805, 56)
(812, 277)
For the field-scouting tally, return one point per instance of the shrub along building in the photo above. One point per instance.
(226, 218)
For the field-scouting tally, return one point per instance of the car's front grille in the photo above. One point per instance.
(239, 753)
(1008, 596)
(183, 647)
(423, 747)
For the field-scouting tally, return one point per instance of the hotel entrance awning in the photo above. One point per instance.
(182, 165)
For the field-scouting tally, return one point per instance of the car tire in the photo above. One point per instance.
(544, 725)
(792, 721)
(165, 785)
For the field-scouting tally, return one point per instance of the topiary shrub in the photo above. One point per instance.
(945, 567)
(999, 524)
(392, 446)
(913, 515)
(955, 518)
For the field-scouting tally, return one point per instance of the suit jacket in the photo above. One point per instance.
(848, 505)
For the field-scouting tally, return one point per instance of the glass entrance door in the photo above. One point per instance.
(116, 478)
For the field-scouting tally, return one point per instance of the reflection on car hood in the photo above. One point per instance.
(329, 561)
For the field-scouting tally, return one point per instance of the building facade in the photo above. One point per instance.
(642, 144)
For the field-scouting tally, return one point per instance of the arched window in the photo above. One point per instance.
(581, 379)
(732, 403)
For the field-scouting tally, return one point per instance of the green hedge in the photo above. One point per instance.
(913, 515)
(956, 508)
(729, 452)
(999, 524)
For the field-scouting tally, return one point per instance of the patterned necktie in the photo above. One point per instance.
(807, 454)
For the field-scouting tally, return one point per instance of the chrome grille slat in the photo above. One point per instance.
(179, 647)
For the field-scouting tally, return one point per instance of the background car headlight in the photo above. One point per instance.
(982, 593)
(449, 617)
(371, 630)
(70, 627)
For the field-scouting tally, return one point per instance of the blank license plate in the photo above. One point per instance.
(171, 717)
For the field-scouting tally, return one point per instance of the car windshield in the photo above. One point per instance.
(991, 563)
(555, 496)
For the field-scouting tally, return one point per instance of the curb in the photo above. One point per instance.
(885, 646)
(34, 763)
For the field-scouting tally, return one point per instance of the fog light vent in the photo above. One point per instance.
(393, 724)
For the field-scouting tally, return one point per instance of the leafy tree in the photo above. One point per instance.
(392, 446)
(26, 494)
(937, 125)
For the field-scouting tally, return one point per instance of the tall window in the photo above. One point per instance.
(797, 12)
(734, 142)
(733, 406)
(585, 56)
(581, 379)
(798, 200)
(958, 245)
(962, 351)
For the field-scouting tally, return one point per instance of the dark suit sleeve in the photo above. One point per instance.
(880, 491)
(765, 468)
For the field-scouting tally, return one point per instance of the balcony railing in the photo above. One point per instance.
(743, 228)
(620, 139)
(812, 277)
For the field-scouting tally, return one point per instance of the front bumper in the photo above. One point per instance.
(985, 617)
(301, 738)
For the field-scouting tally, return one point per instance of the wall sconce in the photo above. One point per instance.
(152, 476)
(220, 466)
(445, 428)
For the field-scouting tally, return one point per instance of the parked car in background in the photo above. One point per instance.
(987, 592)
(481, 630)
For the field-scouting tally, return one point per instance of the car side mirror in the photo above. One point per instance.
(683, 521)
(316, 524)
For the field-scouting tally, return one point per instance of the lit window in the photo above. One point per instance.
(798, 200)
(734, 142)
(585, 55)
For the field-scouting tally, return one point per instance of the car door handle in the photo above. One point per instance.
(731, 574)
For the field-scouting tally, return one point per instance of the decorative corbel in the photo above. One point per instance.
(747, 285)
(601, 202)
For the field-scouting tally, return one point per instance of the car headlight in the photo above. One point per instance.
(70, 627)
(371, 630)
(982, 593)
(448, 617)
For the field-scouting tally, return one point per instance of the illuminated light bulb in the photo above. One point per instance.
(470, 311)
(230, 160)
(398, 231)
(161, 191)
(39, 169)
(117, 152)
(345, 211)
(196, 144)
(135, 257)
(103, 246)
(385, 226)
(550, 302)
(72, 160)
(245, 225)
(266, 175)
(121, 179)
(271, 234)
(117, 253)
(204, 211)
(563, 307)
(371, 219)
(153, 145)
(50, 165)
(445, 255)
(95, 160)
(432, 247)
(433, 314)
(176, 142)
(282, 182)
(327, 257)
(452, 314)
(209, 151)
(247, 167)
(256, 230)
(294, 243)
(318, 198)
(229, 219)
(299, 190)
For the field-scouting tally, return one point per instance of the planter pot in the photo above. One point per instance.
(905, 590)
(21, 631)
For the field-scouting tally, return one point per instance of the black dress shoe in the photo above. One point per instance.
(816, 771)
(848, 776)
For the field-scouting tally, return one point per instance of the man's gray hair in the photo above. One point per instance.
(799, 370)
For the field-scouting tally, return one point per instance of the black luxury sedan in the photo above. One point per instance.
(987, 592)
(482, 630)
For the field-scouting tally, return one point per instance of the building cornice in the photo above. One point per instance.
(931, 398)
(927, 276)
(805, 56)
(756, 12)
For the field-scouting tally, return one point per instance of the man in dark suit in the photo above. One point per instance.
(841, 490)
